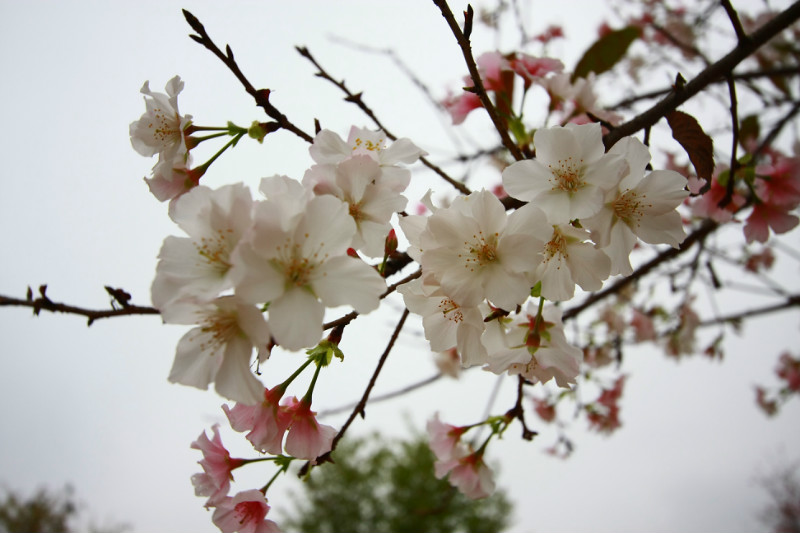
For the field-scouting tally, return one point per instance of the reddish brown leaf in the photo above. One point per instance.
(694, 140)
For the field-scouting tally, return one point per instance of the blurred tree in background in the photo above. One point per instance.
(378, 486)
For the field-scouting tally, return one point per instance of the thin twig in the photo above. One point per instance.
(362, 404)
(735, 22)
(383, 397)
(261, 96)
(466, 50)
(791, 301)
(706, 228)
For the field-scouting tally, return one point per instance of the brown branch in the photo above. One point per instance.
(261, 96)
(735, 22)
(43, 303)
(743, 76)
(362, 404)
(518, 411)
(712, 74)
(466, 50)
(356, 98)
(699, 235)
(791, 301)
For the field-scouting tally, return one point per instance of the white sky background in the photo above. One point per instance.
(92, 406)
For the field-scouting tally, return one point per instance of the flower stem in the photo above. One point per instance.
(307, 397)
(296, 373)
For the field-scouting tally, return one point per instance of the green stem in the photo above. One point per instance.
(307, 397)
(274, 477)
(297, 372)
(214, 157)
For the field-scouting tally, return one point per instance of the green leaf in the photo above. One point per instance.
(605, 52)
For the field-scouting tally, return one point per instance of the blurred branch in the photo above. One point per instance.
(43, 303)
(383, 397)
(715, 72)
(261, 96)
(699, 235)
(791, 301)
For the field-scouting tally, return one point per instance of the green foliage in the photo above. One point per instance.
(376, 487)
(605, 52)
(44, 511)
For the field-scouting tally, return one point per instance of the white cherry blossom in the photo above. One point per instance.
(476, 251)
(160, 129)
(328, 148)
(198, 265)
(639, 206)
(355, 181)
(538, 350)
(445, 322)
(570, 174)
(568, 259)
(300, 266)
(220, 347)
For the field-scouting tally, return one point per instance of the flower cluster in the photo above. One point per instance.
(286, 253)
(586, 211)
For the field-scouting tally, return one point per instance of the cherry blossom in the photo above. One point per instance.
(461, 105)
(217, 465)
(371, 205)
(446, 323)
(476, 251)
(160, 129)
(173, 177)
(300, 266)
(445, 439)
(469, 474)
(198, 265)
(307, 438)
(535, 348)
(244, 513)
(570, 174)
(569, 259)
(638, 206)
(219, 349)
(266, 422)
(329, 148)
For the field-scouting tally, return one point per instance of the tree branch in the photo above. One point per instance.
(710, 75)
(261, 96)
(43, 303)
(466, 49)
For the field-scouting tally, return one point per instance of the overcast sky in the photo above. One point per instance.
(92, 406)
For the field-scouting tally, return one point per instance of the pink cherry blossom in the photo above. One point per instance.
(173, 177)
(461, 105)
(707, 205)
(217, 465)
(244, 513)
(444, 438)
(469, 474)
(265, 422)
(534, 68)
(307, 438)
